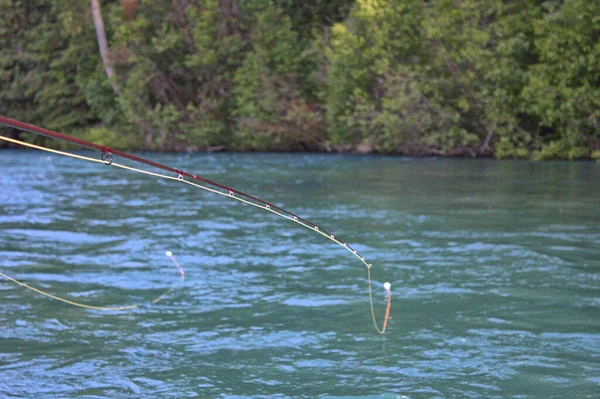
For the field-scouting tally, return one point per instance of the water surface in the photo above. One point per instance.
(495, 272)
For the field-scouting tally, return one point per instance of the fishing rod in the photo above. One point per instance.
(107, 157)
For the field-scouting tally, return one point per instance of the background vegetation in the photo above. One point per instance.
(508, 78)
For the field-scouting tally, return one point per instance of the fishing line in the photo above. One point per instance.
(216, 188)
(94, 307)
(181, 273)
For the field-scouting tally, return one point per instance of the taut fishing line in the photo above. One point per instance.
(107, 158)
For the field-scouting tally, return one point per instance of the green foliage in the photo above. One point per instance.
(561, 150)
(61, 46)
(562, 92)
(479, 57)
(378, 37)
(513, 145)
(267, 98)
(106, 136)
(503, 78)
(17, 63)
(42, 55)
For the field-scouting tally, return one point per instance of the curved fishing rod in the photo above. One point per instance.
(107, 157)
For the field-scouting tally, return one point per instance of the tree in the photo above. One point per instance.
(452, 77)
(270, 111)
(562, 91)
(17, 63)
(102, 43)
(370, 59)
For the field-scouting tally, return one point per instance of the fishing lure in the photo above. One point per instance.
(107, 157)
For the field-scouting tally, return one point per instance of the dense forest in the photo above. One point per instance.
(503, 78)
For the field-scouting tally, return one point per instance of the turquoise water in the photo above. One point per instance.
(495, 272)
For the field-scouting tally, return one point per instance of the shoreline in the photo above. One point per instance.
(324, 152)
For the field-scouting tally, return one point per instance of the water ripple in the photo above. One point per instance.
(494, 269)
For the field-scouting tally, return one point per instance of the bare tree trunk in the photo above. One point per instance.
(103, 45)
(110, 74)
(486, 144)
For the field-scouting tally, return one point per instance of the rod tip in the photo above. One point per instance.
(169, 253)
(387, 286)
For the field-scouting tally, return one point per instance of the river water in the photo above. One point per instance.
(494, 266)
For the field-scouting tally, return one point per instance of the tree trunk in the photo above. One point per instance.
(110, 74)
(103, 45)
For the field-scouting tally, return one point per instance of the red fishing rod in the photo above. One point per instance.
(107, 153)
(107, 158)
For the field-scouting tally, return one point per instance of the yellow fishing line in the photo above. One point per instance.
(95, 307)
(223, 193)
(81, 305)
